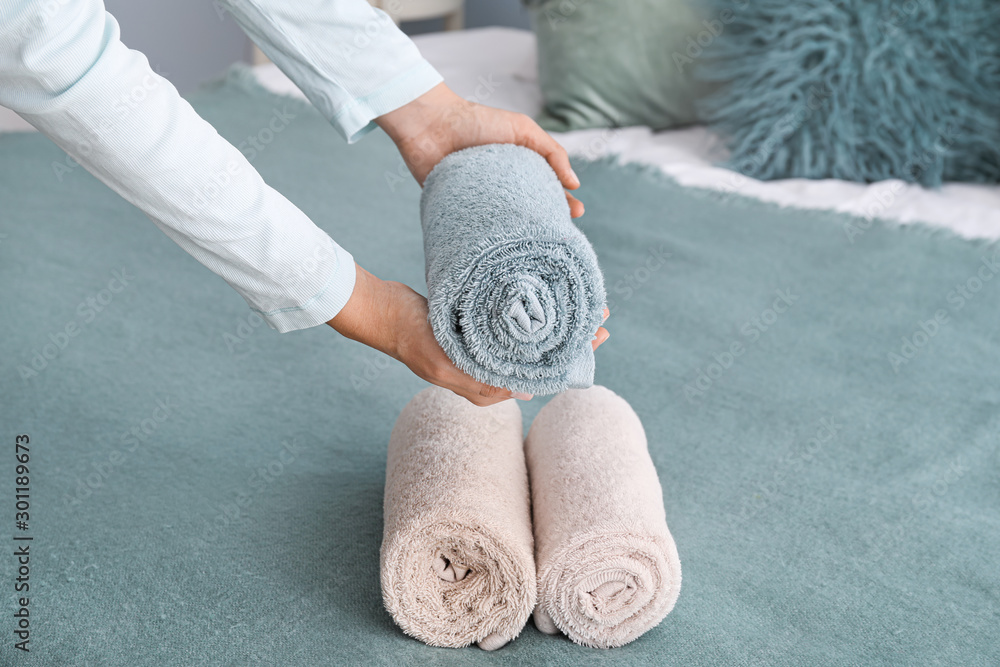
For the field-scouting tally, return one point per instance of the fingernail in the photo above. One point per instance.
(607, 313)
(522, 396)
(576, 179)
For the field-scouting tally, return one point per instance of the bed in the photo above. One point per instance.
(497, 66)
(206, 491)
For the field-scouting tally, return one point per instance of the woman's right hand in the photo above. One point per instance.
(392, 318)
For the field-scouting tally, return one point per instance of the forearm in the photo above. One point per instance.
(349, 59)
(71, 77)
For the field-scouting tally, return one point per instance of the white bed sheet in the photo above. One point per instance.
(497, 66)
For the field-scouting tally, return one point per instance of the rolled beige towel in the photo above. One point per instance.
(457, 560)
(608, 569)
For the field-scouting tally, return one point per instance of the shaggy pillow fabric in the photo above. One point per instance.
(861, 90)
(609, 63)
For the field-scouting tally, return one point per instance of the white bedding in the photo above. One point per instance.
(496, 66)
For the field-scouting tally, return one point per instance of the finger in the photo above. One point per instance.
(465, 386)
(476, 399)
(489, 391)
(602, 335)
(538, 140)
(607, 314)
(473, 393)
(485, 395)
(576, 208)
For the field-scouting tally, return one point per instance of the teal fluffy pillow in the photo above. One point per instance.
(861, 90)
(609, 63)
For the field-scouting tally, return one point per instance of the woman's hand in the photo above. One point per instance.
(392, 318)
(440, 122)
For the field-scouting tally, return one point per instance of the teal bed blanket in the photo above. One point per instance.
(822, 406)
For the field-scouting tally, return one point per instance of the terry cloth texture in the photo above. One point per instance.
(608, 569)
(193, 535)
(515, 291)
(457, 563)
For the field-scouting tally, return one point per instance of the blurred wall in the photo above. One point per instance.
(192, 41)
(186, 41)
(511, 13)
(479, 13)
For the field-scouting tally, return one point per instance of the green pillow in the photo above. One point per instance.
(614, 63)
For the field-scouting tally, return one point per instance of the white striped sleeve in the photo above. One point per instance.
(348, 58)
(64, 69)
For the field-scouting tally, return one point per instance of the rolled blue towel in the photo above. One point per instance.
(514, 289)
